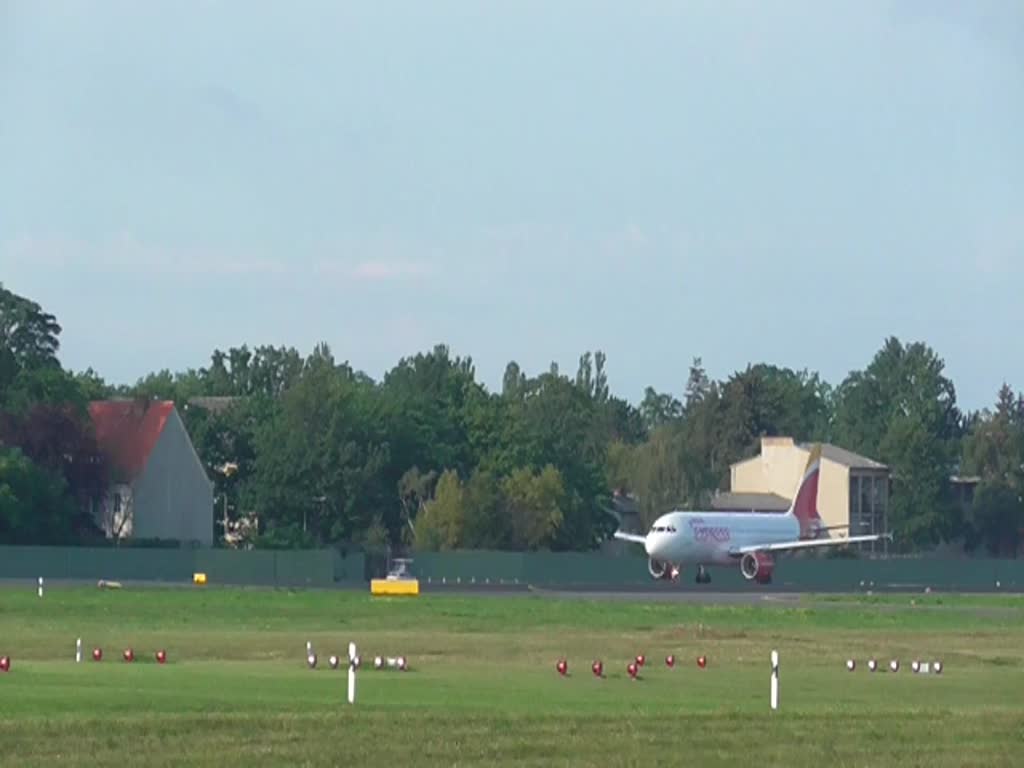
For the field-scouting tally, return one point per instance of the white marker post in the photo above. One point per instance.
(775, 679)
(351, 673)
(40, 586)
(78, 651)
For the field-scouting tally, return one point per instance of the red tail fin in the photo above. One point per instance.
(805, 502)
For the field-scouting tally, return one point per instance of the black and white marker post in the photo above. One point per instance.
(775, 680)
(353, 662)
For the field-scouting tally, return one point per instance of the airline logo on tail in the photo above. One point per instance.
(805, 502)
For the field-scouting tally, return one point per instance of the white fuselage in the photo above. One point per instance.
(705, 538)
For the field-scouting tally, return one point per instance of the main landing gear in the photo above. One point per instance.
(664, 571)
(703, 577)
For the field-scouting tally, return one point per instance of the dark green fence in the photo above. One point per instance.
(316, 568)
(803, 573)
(326, 568)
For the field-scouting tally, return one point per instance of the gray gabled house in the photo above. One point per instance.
(160, 488)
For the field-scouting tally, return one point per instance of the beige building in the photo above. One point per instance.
(852, 491)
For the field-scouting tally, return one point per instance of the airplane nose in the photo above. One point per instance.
(653, 545)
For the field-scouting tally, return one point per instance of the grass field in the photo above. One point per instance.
(483, 690)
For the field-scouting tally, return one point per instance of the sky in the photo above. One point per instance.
(788, 182)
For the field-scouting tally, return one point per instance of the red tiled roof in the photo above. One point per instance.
(127, 431)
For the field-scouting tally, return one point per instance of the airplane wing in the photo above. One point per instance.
(805, 544)
(636, 538)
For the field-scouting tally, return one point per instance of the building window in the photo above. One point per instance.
(867, 506)
(883, 509)
(869, 501)
(854, 504)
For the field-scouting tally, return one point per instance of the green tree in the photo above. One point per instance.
(425, 399)
(554, 425)
(921, 509)
(35, 507)
(997, 515)
(902, 410)
(50, 385)
(485, 523)
(664, 474)
(534, 505)
(266, 371)
(658, 409)
(320, 459)
(441, 523)
(513, 382)
(765, 400)
(706, 439)
(415, 488)
(227, 442)
(58, 439)
(994, 451)
(995, 447)
(29, 337)
(93, 387)
(620, 466)
(698, 386)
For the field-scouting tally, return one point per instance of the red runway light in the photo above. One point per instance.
(670, 660)
(5, 663)
(129, 655)
(161, 657)
(598, 669)
(640, 660)
(563, 667)
(97, 654)
(702, 661)
(632, 669)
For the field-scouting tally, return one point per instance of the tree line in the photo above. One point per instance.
(427, 458)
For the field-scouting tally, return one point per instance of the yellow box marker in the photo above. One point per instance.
(198, 578)
(394, 587)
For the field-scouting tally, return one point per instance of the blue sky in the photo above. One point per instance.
(787, 182)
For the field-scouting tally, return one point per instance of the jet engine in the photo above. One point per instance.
(757, 566)
(658, 569)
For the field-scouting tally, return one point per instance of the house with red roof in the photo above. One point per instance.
(159, 486)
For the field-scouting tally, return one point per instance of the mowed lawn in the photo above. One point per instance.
(482, 688)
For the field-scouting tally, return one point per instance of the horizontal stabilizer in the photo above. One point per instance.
(806, 544)
(636, 538)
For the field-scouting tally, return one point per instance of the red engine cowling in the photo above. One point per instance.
(757, 566)
(658, 569)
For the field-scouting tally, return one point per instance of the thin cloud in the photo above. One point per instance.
(390, 270)
(229, 103)
(51, 253)
(126, 254)
(378, 270)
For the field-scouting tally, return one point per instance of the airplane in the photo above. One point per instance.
(723, 538)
